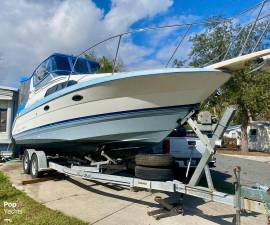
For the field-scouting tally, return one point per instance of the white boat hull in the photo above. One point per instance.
(136, 109)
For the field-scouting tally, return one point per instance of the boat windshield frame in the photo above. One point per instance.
(49, 69)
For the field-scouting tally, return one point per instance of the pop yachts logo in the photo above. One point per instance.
(11, 208)
(10, 204)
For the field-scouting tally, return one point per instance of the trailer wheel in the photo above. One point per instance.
(154, 160)
(26, 162)
(148, 173)
(34, 166)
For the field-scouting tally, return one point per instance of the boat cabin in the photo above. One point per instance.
(56, 65)
(59, 65)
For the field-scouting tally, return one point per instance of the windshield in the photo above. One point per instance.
(58, 65)
(23, 94)
(81, 66)
(84, 66)
(62, 65)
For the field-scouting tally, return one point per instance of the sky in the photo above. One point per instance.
(31, 30)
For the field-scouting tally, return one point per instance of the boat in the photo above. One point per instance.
(69, 108)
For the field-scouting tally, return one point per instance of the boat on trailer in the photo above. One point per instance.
(68, 107)
(65, 111)
(76, 108)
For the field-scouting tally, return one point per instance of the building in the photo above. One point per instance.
(258, 135)
(234, 132)
(8, 107)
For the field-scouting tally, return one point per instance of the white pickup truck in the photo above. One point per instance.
(184, 146)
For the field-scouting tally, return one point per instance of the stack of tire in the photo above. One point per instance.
(156, 167)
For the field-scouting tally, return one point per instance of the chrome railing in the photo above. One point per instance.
(188, 27)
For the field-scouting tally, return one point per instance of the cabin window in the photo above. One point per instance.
(59, 86)
(3, 119)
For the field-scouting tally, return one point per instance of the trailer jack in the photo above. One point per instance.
(168, 209)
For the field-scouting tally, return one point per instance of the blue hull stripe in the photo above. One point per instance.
(108, 115)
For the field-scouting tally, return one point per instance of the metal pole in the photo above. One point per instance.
(223, 123)
(209, 151)
(252, 28)
(208, 177)
(209, 146)
(231, 43)
(115, 58)
(260, 38)
(189, 162)
(180, 42)
(237, 195)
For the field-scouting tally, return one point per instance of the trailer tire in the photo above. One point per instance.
(26, 162)
(149, 173)
(34, 166)
(154, 160)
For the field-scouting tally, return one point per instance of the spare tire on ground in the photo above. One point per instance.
(148, 173)
(154, 160)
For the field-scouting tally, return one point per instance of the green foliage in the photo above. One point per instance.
(211, 45)
(32, 211)
(178, 63)
(106, 64)
(249, 90)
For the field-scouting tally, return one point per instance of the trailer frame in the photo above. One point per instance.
(255, 199)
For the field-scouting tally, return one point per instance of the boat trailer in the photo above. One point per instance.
(255, 199)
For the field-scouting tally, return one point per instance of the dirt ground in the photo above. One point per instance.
(110, 204)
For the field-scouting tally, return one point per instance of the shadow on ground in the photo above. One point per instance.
(191, 204)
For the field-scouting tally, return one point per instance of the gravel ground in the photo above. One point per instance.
(252, 171)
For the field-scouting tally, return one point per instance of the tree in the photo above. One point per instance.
(106, 64)
(249, 90)
(178, 63)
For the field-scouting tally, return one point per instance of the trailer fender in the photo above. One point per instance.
(42, 160)
(30, 152)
